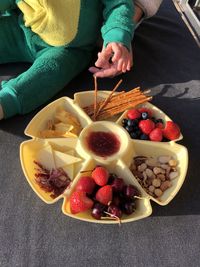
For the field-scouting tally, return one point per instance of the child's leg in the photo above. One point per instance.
(13, 45)
(50, 72)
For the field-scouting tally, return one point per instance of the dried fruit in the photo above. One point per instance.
(54, 181)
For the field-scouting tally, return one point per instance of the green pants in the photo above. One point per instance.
(52, 67)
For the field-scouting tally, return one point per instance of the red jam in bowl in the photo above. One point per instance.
(103, 144)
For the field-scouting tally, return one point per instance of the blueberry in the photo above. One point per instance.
(133, 135)
(124, 122)
(145, 115)
(144, 137)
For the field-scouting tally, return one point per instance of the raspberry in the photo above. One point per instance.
(85, 184)
(156, 135)
(100, 176)
(147, 110)
(79, 202)
(133, 114)
(171, 130)
(146, 126)
(104, 194)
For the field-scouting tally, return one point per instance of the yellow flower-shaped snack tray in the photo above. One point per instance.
(119, 164)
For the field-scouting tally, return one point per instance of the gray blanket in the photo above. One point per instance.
(34, 234)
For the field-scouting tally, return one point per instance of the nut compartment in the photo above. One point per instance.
(155, 149)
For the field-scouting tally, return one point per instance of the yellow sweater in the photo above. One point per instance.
(55, 21)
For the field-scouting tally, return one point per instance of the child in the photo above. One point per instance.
(58, 38)
(103, 67)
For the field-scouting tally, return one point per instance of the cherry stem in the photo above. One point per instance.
(113, 217)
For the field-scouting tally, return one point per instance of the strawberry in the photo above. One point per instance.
(100, 176)
(146, 126)
(104, 194)
(79, 202)
(133, 114)
(171, 130)
(141, 110)
(156, 135)
(85, 184)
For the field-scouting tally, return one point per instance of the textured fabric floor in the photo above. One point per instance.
(35, 234)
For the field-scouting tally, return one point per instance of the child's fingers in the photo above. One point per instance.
(120, 64)
(117, 53)
(103, 73)
(129, 65)
(124, 67)
(93, 70)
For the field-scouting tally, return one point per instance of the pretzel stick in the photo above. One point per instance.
(110, 113)
(95, 96)
(115, 99)
(124, 105)
(89, 109)
(123, 98)
(108, 98)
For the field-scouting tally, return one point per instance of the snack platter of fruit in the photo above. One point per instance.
(106, 154)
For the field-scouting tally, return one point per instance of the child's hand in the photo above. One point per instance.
(112, 60)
